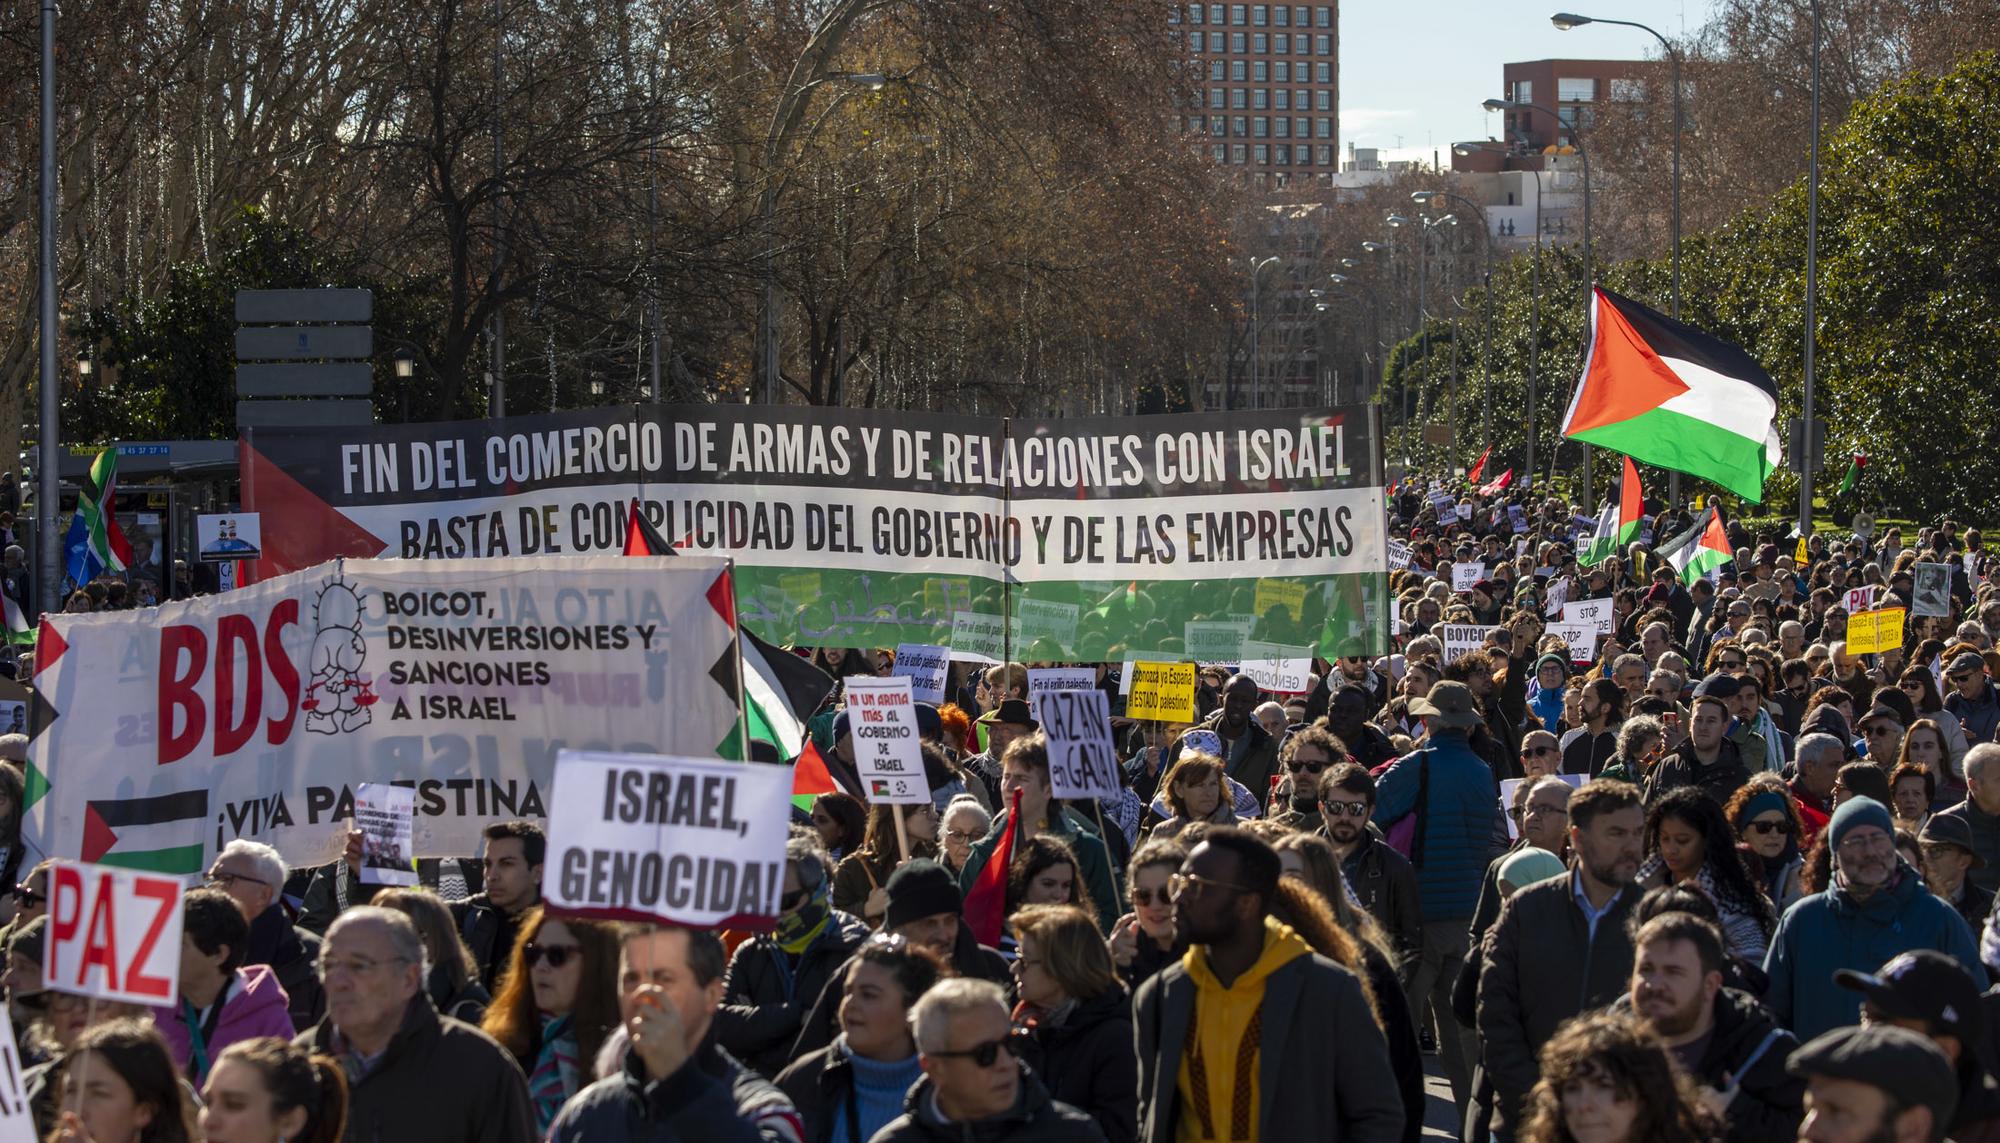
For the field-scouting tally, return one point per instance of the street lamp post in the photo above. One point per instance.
(1567, 20)
(1812, 288)
(1426, 224)
(48, 555)
(1257, 266)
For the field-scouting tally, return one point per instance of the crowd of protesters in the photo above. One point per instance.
(1713, 877)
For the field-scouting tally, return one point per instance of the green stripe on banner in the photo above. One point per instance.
(1682, 443)
(180, 859)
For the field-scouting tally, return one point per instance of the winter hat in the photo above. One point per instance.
(920, 889)
(1530, 865)
(1858, 812)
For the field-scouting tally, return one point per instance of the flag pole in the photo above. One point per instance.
(736, 645)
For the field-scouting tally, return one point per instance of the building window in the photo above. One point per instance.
(1575, 90)
(1220, 152)
(1325, 129)
(1238, 70)
(1322, 45)
(1236, 153)
(1324, 17)
(1282, 15)
(1174, 14)
(1323, 73)
(1302, 17)
(1628, 91)
(1262, 151)
(1236, 42)
(1215, 99)
(1258, 15)
(1239, 126)
(1323, 101)
(1196, 42)
(1282, 99)
(1281, 43)
(1283, 128)
(1238, 13)
(1260, 43)
(1524, 92)
(1217, 126)
(1260, 71)
(1217, 70)
(1302, 155)
(1284, 154)
(1281, 71)
(1325, 155)
(1238, 99)
(1194, 13)
(1260, 99)
(1215, 14)
(1260, 127)
(1567, 115)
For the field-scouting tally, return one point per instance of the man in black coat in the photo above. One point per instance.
(253, 875)
(1707, 759)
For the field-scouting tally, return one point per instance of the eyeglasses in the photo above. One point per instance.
(533, 954)
(1730, 664)
(1912, 687)
(1768, 828)
(1148, 896)
(1180, 884)
(354, 965)
(984, 1054)
(966, 836)
(1958, 680)
(1876, 841)
(1537, 752)
(893, 942)
(223, 880)
(1313, 767)
(1535, 810)
(1349, 809)
(27, 898)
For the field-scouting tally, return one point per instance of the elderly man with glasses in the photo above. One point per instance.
(253, 875)
(1980, 813)
(1972, 701)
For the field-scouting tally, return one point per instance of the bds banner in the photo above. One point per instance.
(865, 528)
(256, 713)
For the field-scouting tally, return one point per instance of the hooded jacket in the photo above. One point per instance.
(1748, 1049)
(1322, 1067)
(1830, 930)
(711, 1097)
(1034, 1118)
(766, 994)
(255, 1006)
(1461, 824)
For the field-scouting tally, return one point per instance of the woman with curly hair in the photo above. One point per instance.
(558, 1002)
(1768, 828)
(1196, 790)
(1605, 1079)
(1690, 841)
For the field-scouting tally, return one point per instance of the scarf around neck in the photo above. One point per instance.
(795, 932)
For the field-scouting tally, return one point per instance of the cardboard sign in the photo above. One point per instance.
(1286, 593)
(1280, 669)
(1215, 640)
(978, 637)
(1465, 511)
(1399, 555)
(1082, 761)
(1859, 599)
(1516, 518)
(1044, 679)
(1931, 590)
(1558, 594)
(1040, 619)
(114, 934)
(690, 841)
(1164, 691)
(1581, 637)
(386, 817)
(1465, 574)
(1596, 612)
(1459, 638)
(924, 664)
(885, 740)
(1875, 631)
(232, 536)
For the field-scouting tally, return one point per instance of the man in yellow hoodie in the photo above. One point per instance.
(1253, 1035)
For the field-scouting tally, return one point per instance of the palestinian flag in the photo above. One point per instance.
(159, 834)
(1855, 463)
(1619, 524)
(1673, 396)
(780, 690)
(810, 778)
(1473, 476)
(1697, 552)
(18, 630)
(94, 502)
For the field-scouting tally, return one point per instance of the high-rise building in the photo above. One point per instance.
(1270, 86)
(1574, 90)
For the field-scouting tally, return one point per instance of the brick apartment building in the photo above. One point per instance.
(1269, 85)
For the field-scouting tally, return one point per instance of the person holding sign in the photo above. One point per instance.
(1026, 768)
(222, 1000)
(672, 1081)
(859, 879)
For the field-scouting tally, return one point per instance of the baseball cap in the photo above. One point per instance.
(1922, 985)
(1896, 1060)
(1719, 686)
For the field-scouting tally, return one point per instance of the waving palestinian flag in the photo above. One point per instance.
(1673, 396)
(1618, 525)
(1699, 551)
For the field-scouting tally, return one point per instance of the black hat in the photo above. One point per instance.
(1923, 985)
(1718, 685)
(1902, 1063)
(930, 724)
(1011, 712)
(1879, 710)
(1950, 829)
(1967, 661)
(920, 889)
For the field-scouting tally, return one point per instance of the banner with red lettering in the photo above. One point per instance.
(114, 934)
(160, 735)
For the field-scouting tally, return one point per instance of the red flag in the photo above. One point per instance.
(1499, 485)
(986, 902)
(641, 538)
(811, 778)
(1473, 476)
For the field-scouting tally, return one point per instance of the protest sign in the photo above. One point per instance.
(1581, 637)
(1443, 504)
(1041, 679)
(17, 1122)
(1517, 518)
(1509, 785)
(1216, 640)
(1466, 573)
(1596, 612)
(114, 934)
(1459, 638)
(225, 537)
(689, 841)
(1273, 593)
(1399, 555)
(386, 816)
(978, 637)
(1465, 510)
(1873, 631)
(1082, 761)
(1859, 599)
(1161, 690)
(886, 752)
(924, 665)
(255, 714)
(1558, 593)
(1931, 590)
(860, 527)
(1278, 668)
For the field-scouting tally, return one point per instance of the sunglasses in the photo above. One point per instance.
(984, 1054)
(1146, 897)
(533, 954)
(1768, 828)
(27, 898)
(1348, 809)
(1537, 752)
(1958, 680)
(1314, 767)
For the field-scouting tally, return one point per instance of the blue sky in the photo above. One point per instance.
(1418, 69)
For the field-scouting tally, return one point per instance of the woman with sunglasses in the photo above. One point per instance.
(558, 1002)
(1918, 685)
(1768, 827)
(1691, 843)
(1144, 941)
(1077, 1015)
(850, 1089)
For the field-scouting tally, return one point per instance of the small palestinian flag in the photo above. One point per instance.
(1855, 463)
(1619, 524)
(1699, 551)
(18, 629)
(1673, 396)
(95, 503)
(811, 778)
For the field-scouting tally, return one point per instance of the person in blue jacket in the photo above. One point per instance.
(1875, 908)
(1459, 830)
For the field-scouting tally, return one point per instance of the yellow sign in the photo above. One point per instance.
(1162, 690)
(1289, 594)
(1869, 632)
(1800, 557)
